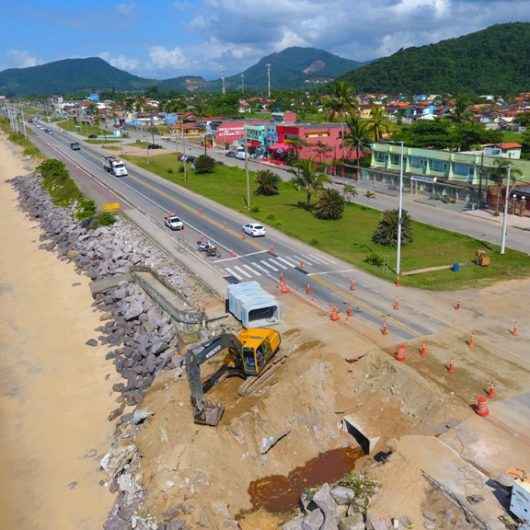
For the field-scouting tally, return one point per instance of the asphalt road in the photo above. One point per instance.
(420, 208)
(321, 278)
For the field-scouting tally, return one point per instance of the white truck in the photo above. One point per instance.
(115, 166)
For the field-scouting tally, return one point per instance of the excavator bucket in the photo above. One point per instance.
(211, 414)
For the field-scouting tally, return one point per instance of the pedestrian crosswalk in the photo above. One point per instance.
(273, 265)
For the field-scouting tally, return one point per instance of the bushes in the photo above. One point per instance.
(387, 230)
(330, 205)
(204, 164)
(85, 209)
(104, 219)
(267, 183)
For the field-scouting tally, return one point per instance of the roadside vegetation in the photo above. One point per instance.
(82, 129)
(350, 237)
(28, 149)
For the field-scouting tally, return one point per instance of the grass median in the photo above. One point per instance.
(83, 129)
(350, 238)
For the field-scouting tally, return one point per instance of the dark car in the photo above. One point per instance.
(92, 135)
(154, 146)
(74, 146)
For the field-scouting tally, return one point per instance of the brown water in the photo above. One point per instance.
(280, 493)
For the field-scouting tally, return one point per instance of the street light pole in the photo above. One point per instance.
(246, 170)
(505, 216)
(400, 212)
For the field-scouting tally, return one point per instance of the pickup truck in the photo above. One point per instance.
(115, 166)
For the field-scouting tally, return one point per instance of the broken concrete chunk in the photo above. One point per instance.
(313, 521)
(293, 524)
(269, 442)
(342, 495)
(375, 522)
(323, 499)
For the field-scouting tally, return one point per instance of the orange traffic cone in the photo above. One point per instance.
(515, 330)
(423, 349)
(395, 305)
(451, 368)
(349, 311)
(471, 341)
(301, 265)
(284, 289)
(334, 315)
(491, 392)
(481, 406)
(353, 285)
(384, 328)
(400, 354)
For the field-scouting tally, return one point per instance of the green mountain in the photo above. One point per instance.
(293, 67)
(68, 76)
(190, 83)
(495, 60)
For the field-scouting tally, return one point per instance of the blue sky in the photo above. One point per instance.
(166, 38)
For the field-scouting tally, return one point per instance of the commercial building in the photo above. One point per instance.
(320, 142)
(260, 136)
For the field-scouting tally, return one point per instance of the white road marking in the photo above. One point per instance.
(239, 269)
(331, 272)
(248, 267)
(324, 259)
(241, 256)
(258, 266)
(305, 260)
(232, 273)
(278, 264)
(286, 261)
(268, 265)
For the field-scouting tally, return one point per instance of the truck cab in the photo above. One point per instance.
(115, 166)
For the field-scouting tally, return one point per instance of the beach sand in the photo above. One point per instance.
(55, 391)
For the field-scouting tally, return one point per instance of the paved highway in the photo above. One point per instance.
(319, 277)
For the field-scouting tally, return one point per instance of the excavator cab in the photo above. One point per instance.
(249, 353)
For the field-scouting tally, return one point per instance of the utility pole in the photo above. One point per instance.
(268, 81)
(243, 83)
(223, 86)
(400, 212)
(246, 170)
(24, 124)
(184, 155)
(505, 216)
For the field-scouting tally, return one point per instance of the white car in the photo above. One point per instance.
(173, 222)
(254, 230)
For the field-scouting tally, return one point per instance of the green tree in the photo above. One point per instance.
(468, 135)
(387, 230)
(307, 179)
(436, 134)
(350, 191)
(525, 149)
(330, 205)
(498, 174)
(204, 164)
(357, 138)
(461, 113)
(297, 144)
(379, 125)
(268, 182)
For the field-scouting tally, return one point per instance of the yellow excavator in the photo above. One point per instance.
(248, 354)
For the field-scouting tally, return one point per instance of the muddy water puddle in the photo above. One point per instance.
(281, 493)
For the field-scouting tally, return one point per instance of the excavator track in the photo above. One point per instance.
(253, 384)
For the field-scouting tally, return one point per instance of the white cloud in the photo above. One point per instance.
(162, 57)
(126, 8)
(21, 59)
(120, 61)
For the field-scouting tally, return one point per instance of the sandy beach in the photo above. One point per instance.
(55, 391)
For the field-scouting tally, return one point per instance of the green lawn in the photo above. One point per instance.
(512, 136)
(350, 237)
(83, 129)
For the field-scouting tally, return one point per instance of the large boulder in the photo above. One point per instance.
(313, 521)
(352, 522)
(342, 495)
(323, 499)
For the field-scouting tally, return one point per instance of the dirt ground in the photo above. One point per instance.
(55, 390)
(202, 474)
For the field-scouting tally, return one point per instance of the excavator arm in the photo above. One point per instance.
(204, 412)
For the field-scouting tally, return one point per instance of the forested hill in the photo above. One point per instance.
(492, 61)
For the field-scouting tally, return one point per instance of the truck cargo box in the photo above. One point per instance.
(252, 305)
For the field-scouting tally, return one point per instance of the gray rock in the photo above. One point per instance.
(342, 495)
(352, 522)
(174, 525)
(313, 520)
(323, 499)
(140, 415)
(91, 342)
(375, 522)
(134, 310)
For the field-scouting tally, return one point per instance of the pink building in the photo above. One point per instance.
(229, 131)
(320, 142)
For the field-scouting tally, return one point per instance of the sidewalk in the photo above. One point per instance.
(515, 221)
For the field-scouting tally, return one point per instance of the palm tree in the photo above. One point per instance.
(308, 179)
(350, 191)
(357, 138)
(342, 102)
(297, 144)
(498, 174)
(267, 182)
(322, 149)
(379, 124)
